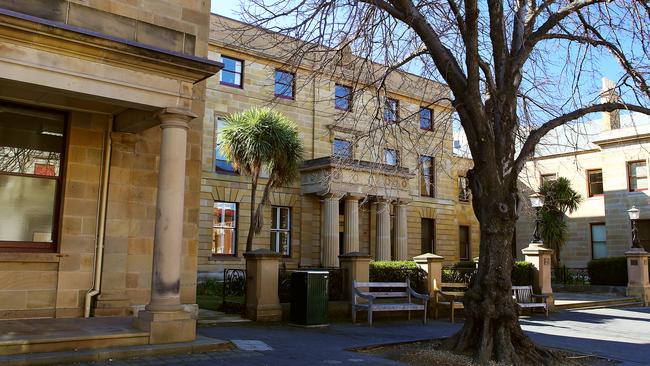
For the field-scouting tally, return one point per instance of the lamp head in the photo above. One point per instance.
(633, 213)
(536, 200)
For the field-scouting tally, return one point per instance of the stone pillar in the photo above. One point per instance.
(351, 230)
(540, 257)
(432, 264)
(382, 253)
(164, 317)
(637, 275)
(329, 251)
(401, 231)
(262, 300)
(357, 268)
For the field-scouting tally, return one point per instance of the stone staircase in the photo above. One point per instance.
(617, 302)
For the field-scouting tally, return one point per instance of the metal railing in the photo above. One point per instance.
(570, 276)
(234, 291)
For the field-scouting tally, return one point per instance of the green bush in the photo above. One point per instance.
(523, 273)
(399, 271)
(608, 271)
(209, 286)
(465, 265)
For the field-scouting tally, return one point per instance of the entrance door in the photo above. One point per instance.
(428, 229)
(644, 233)
(463, 238)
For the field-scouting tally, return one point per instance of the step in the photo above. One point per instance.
(616, 302)
(201, 344)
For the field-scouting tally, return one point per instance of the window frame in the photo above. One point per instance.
(57, 214)
(629, 176)
(591, 237)
(278, 230)
(293, 84)
(397, 157)
(241, 74)
(214, 150)
(469, 243)
(432, 180)
(348, 97)
(430, 118)
(460, 191)
(589, 191)
(235, 231)
(542, 176)
(387, 102)
(351, 157)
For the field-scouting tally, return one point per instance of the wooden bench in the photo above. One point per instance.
(361, 290)
(525, 298)
(449, 295)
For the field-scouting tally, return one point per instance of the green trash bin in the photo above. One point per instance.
(309, 297)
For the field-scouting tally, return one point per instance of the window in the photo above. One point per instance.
(391, 109)
(285, 84)
(547, 178)
(426, 119)
(464, 194)
(221, 165)
(281, 230)
(637, 176)
(31, 148)
(391, 157)
(232, 73)
(342, 149)
(595, 182)
(463, 240)
(598, 241)
(428, 232)
(224, 229)
(427, 176)
(343, 97)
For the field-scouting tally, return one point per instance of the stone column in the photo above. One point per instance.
(351, 230)
(540, 257)
(262, 300)
(329, 250)
(432, 264)
(637, 274)
(163, 316)
(382, 253)
(401, 231)
(357, 268)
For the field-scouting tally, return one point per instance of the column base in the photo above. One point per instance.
(264, 313)
(641, 292)
(167, 326)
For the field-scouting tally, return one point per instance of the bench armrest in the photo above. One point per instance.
(544, 297)
(356, 292)
(418, 295)
(446, 295)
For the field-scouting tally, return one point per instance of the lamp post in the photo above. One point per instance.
(634, 216)
(537, 202)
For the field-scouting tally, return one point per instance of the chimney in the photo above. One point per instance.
(610, 120)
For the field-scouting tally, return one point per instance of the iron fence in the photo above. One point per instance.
(234, 291)
(570, 276)
(454, 274)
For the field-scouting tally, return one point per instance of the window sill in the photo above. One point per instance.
(30, 257)
(232, 85)
(284, 97)
(225, 258)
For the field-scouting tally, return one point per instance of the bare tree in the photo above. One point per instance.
(516, 69)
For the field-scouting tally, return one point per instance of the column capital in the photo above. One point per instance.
(402, 202)
(353, 197)
(175, 117)
(330, 196)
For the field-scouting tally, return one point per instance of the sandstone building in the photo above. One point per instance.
(393, 194)
(100, 157)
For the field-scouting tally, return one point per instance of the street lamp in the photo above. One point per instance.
(537, 201)
(634, 215)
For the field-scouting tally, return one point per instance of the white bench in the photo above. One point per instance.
(361, 290)
(449, 294)
(525, 298)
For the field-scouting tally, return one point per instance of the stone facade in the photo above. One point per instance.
(111, 66)
(611, 152)
(344, 187)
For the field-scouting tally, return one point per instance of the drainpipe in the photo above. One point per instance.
(101, 220)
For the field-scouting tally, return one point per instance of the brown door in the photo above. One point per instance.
(428, 236)
(463, 239)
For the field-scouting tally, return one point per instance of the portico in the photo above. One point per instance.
(334, 182)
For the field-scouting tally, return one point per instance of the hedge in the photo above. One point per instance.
(608, 271)
(523, 273)
(398, 271)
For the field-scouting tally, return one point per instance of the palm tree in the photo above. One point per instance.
(262, 139)
(559, 198)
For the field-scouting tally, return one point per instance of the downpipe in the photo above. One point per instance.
(101, 221)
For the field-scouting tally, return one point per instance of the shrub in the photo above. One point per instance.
(523, 273)
(465, 265)
(209, 287)
(608, 271)
(399, 271)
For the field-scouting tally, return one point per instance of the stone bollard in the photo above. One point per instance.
(262, 300)
(357, 268)
(432, 264)
(637, 274)
(540, 257)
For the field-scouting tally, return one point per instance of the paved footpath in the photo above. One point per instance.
(622, 334)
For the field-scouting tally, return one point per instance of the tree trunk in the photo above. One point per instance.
(491, 330)
(251, 229)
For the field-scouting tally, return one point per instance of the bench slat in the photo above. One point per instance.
(386, 294)
(380, 284)
(395, 307)
(455, 285)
